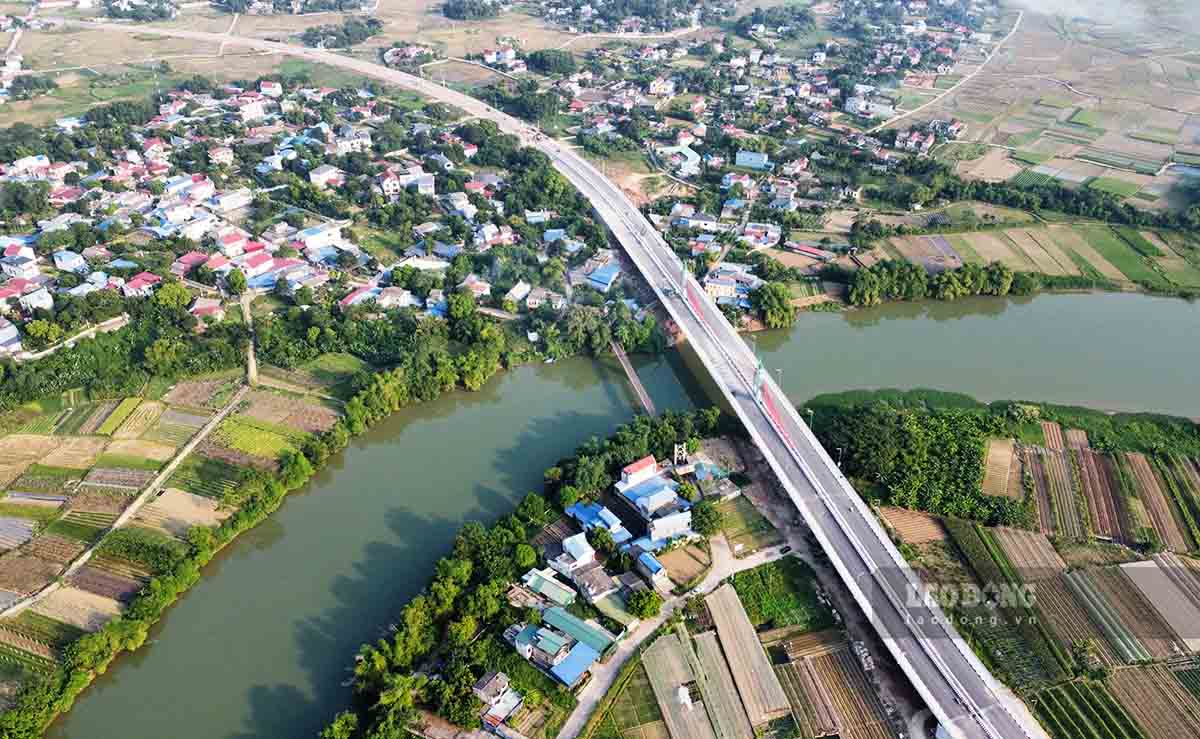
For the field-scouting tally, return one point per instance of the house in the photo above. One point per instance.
(604, 277)
(69, 261)
(230, 201)
(755, 160)
(221, 156)
(141, 285)
(208, 308)
(270, 88)
(595, 516)
(652, 497)
(518, 292)
(576, 554)
(10, 338)
(546, 584)
(326, 175)
(396, 297)
(540, 296)
(39, 299)
(476, 285)
(19, 267)
(732, 179)
(649, 567)
(499, 700)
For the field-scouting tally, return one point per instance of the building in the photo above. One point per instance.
(762, 694)
(595, 516)
(499, 700)
(545, 584)
(651, 496)
(576, 554)
(649, 567)
(755, 160)
(10, 338)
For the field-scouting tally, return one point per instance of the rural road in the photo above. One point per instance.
(960, 83)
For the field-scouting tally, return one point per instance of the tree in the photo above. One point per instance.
(344, 726)
(525, 556)
(773, 302)
(43, 333)
(173, 296)
(688, 492)
(236, 282)
(164, 355)
(645, 603)
(707, 519)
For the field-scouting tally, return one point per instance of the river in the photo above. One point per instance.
(260, 647)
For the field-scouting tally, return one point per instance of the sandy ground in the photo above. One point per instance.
(78, 607)
(79, 452)
(176, 511)
(17, 447)
(138, 448)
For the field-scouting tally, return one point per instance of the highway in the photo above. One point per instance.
(962, 694)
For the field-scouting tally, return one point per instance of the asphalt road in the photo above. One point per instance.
(960, 691)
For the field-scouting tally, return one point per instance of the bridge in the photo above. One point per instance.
(966, 699)
(638, 388)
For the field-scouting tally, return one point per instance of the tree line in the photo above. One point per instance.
(896, 280)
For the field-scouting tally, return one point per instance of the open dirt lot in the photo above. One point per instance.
(459, 73)
(685, 563)
(26, 447)
(176, 511)
(145, 449)
(78, 452)
(78, 607)
(995, 166)
(76, 48)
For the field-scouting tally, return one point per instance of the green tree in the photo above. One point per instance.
(43, 333)
(344, 726)
(236, 282)
(525, 556)
(773, 302)
(164, 355)
(173, 295)
(707, 519)
(645, 603)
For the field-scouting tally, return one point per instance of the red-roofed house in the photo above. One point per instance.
(188, 262)
(141, 285)
(639, 471)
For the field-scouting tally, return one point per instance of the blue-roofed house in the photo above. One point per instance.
(595, 516)
(122, 264)
(575, 665)
(753, 160)
(650, 568)
(652, 496)
(604, 277)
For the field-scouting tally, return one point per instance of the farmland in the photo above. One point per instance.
(782, 593)
(1135, 613)
(1172, 603)
(913, 527)
(140, 420)
(1069, 622)
(257, 438)
(118, 416)
(1123, 640)
(1165, 517)
(745, 528)
(1061, 510)
(1001, 476)
(1080, 710)
(1031, 554)
(212, 478)
(830, 693)
(1158, 702)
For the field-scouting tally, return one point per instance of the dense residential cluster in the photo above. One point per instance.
(622, 16)
(300, 191)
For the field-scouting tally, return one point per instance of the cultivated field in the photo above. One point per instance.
(1001, 476)
(1054, 435)
(914, 527)
(1030, 553)
(1068, 619)
(283, 410)
(1164, 515)
(1134, 611)
(101, 582)
(1121, 637)
(1158, 701)
(79, 452)
(685, 564)
(26, 573)
(1101, 490)
(79, 608)
(745, 528)
(201, 393)
(138, 448)
(668, 669)
(141, 420)
(1061, 510)
(1173, 604)
(1082, 710)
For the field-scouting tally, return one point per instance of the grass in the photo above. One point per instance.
(211, 478)
(1031, 157)
(335, 368)
(42, 424)
(80, 530)
(1029, 178)
(75, 419)
(745, 527)
(41, 513)
(53, 473)
(782, 593)
(44, 629)
(1111, 185)
(118, 416)
(1050, 101)
(257, 438)
(1104, 240)
(1140, 243)
(1089, 118)
(156, 388)
(128, 461)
